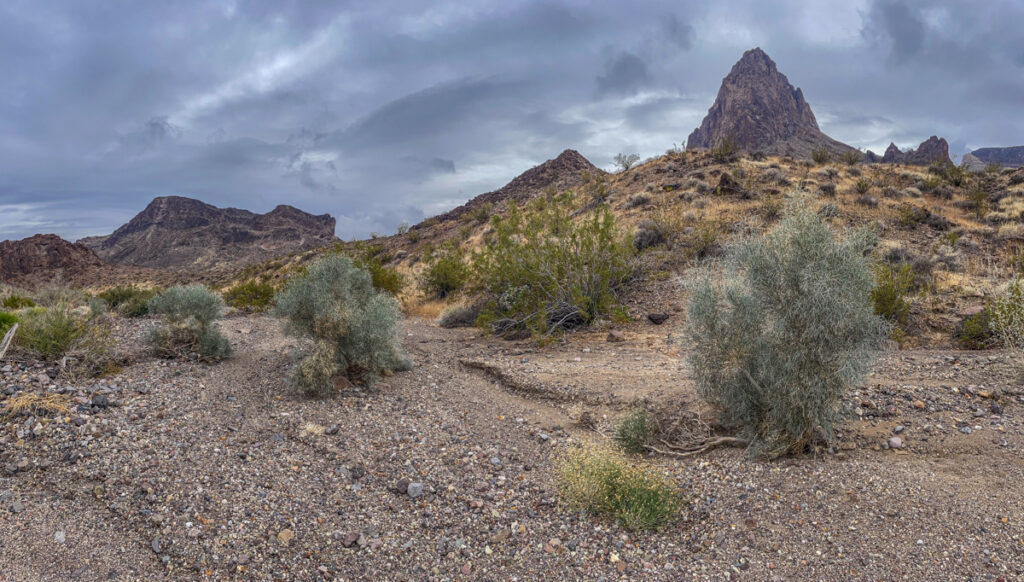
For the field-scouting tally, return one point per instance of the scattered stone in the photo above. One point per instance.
(59, 537)
(17, 507)
(616, 336)
(899, 428)
(350, 539)
(155, 544)
(285, 536)
(918, 404)
(895, 443)
(657, 318)
(332, 430)
(402, 486)
(414, 490)
(966, 429)
(100, 401)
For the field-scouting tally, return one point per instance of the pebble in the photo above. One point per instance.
(155, 545)
(414, 490)
(59, 537)
(17, 507)
(895, 443)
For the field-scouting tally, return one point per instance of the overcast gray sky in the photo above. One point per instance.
(390, 111)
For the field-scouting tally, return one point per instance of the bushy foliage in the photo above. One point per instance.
(128, 300)
(862, 185)
(372, 259)
(543, 271)
(1008, 316)
(727, 150)
(251, 295)
(446, 273)
(7, 321)
(821, 156)
(851, 157)
(604, 482)
(190, 328)
(977, 332)
(353, 325)
(60, 331)
(785, 331)
(626, 161)
(892, 284)
(16, 301)
(635, 431)
(463, 314)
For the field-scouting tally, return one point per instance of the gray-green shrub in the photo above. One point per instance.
(190, 328)
(354, 326)
(785, 331)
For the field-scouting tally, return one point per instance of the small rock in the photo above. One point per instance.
(414, 490)
(918, 404)
(100, 401)
(17, 507)
(966, 429)
(995, 408)
(657, 318)
(495, 461)
(616, 336)
(895, 443)
(59, 537)
(155, 544)
(402, 486)
(350, 539)
(502, 536)
(332, 430)
(899, 428)
(285, 536)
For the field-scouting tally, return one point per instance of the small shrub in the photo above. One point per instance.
(930, 183)
(821, 156)
(128, 300)
(777, 177)
(15, 301)
(1017, 178)
(7, 321)
(1008, 316)
(603, 482)
(977, 331)
(851, 157)
(911, 192)
(977, 201)
(785, 331)
(862, 185)
(865, 200)
(54, 333)
(190, 329)
(251, 296)
(446, 274)
(726, 151)
(637, 200)
(702, 241)
(354, 326)
(626, 161)
(828, 211)
(889, 294)
(648, 234)
(828, 189)
(634, 432)
(460, 315)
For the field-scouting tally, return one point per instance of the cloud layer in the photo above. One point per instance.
(387, 112)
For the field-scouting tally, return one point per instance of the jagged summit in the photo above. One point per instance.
(563, 172)
(180, 232)
(759, 109)
(45, 256)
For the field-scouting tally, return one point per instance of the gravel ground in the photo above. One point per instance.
(185, 471)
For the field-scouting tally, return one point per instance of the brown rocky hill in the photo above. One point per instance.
(174, 232)
(1011, 157)
(44, 257)
(566, 171)
(932, 150)
(759, 109)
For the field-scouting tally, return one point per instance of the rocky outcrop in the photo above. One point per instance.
(45, 257)
(932, 150)
(759, 109)
(1010, 157)
(174, 232)
(562, 173)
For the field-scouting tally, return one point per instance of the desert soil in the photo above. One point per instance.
(185, 471)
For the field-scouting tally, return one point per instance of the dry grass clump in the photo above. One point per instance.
(604, 482)
(461, 314)
(33, 404)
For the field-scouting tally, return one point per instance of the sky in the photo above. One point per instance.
(391, 111)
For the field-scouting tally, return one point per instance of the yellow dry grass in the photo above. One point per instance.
(36, 404)
(426, 309)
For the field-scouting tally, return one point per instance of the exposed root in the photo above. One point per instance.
(691, 451)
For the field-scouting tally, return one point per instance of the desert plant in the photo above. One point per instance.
(59, 331)
(545, 272)
(977, 331)
(16, 301)
(7, 320)
(462, 314)
(128, 300)
(626, 161)
(892, 284)
(634, 432)
(604, 482)
(251, 295)
(862, 185)
(353, 325)
(1008, 316)
(785, 331)
(57, 293)
(190, 328)
(821, 156)
(851, 157)
(727, 150)
(827, 189)
(446, 273)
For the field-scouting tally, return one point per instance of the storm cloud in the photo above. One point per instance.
(388, 112)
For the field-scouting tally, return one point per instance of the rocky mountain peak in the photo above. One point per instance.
(759, 109)
(934, 149)
(44, 256)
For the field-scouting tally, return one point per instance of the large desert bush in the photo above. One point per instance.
(353, 325)
(190, 323)
(604, 482)
(545, 271)
(785, 331)
(81, 342)
(446, 273)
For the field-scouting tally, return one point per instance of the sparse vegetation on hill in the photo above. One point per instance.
(251, 295)
(190, 328)
(128, 300)
(785, 332)
(353, 325)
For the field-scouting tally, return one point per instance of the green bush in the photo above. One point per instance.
(128, 300)
(892, 284)
(635, 431)
(190, 329)
(250, 296)
(51, 333)
(7, 321)
(785, 331)
(821, 156)
(446, 273)
(1008, 316)
(977, 332)
(851, 157)
(354, 325)
(726, 151)
(16, 301)
(604, 482)
(544, 272)
(862, 185)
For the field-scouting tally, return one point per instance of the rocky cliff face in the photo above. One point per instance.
(759, 109)
(1011, 157)
(182, 233)
(561, 173)
(931, 150)
(44, 257)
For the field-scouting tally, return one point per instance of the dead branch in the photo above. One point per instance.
(680, 452)
(8, 338)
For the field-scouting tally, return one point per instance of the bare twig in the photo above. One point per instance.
(707, 446)
(8, 338)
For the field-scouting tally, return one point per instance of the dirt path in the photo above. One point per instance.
(225, 472)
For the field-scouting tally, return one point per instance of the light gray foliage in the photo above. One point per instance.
(354, 325)
(785, 331)
(190, 313)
